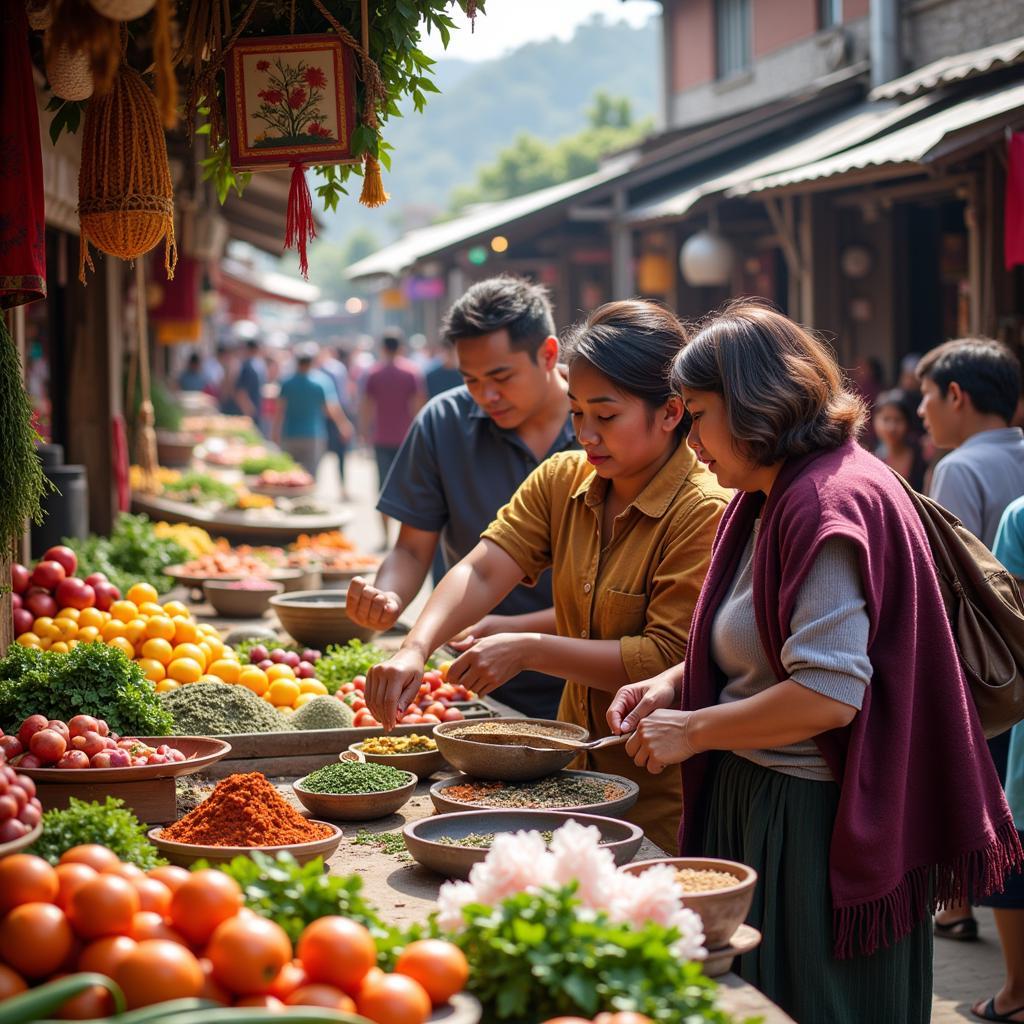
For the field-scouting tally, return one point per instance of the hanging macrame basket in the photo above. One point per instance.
(69, 72)
(123, 10)
(125, 197)
(40, 14)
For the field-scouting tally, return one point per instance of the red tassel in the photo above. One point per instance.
(300, 227)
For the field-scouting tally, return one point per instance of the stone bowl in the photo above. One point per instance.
(505, 763)
(721, 910)
(186, 854)
(422, 764)
(232, 603)
(317, 618)
(355, 806)
(422, 837)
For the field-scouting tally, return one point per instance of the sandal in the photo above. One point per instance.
(963, 930)
(989, 1011)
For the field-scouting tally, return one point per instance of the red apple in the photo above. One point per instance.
(291, 659)
(48, 745)
(103, 759)
(74, 759)
(8, 807)
(11, 746)
(20, 577)
(106, 594)
(81, 724)
(41, 604)
(258, 653)
(30, 727)
(32, 814)
(96, 577)
(28, 761)
(58, 726)
(13, 829)
(16, 601)
(278, 656)
(65, 556)
(48, 574)
(75, 593)
(23, 620)
(118, 758)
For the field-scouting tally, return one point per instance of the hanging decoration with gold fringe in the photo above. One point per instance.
(125, 196)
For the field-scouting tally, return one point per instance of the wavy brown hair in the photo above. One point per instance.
(784, 393)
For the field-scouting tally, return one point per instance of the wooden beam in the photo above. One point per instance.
(787, 241)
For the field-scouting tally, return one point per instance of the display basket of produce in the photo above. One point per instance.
(411, 753)
(492, 749)
(341, 568)
(289, 483)
(721, 891)
(589, 792)
(242, 599)
(450, 844)
(175, 448)
(22, 842)
(353, 790)
(318, 618)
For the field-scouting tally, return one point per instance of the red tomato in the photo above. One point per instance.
(411, 719)
(358, 704)
(364, 718)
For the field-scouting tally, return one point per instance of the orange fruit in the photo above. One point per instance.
(248, 954)
(142, 593)
(393, 999)
(152, 669)
(208, 629)
(26, 879)
(202, 902)
(135, 631)
(104, 905)
(148, 924)
(173, 608)
(99, 858)
(150, 608)
(70, 877)
(69, 613)
(86, 634)
(36, 939)
(28, 640)
(303, 699)
(59, 647)
(125, 611)
(339, 952)
(124, 645)
(171, 876)
(153, 894)
(90, 617)
(312, 686)
(104, 955)
(158, 649)
(157, 970)
(185, 630)
(327, 996)
(440, 967)
(255, 679)
(160, 626)
(45, 628)
(166, 685)
(215, 644)
(225, 670)
(11, 983)
(112, 630)
(280, 672)
(282, 692)
(193, 651)
(68, 627)
(185, 670)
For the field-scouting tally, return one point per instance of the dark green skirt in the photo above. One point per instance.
(782, 826)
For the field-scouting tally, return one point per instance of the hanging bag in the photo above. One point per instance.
(985, 611)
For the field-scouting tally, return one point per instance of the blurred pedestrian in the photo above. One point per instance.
(332, 363)
(444, 374)
(248, 385)
(392, 395)
(193, 377)
(898, 444)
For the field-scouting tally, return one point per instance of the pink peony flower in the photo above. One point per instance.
(297, 98)
(654, 895)
(315, 78)
(450, 901)
(577, 855)
(690, 944)
(262, 65)
(516, 863)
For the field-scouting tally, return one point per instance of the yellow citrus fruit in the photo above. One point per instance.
(135, 631)
(216, 646)
(160, 626)
(253, 678)
(44, 627)
(150, 608)
(286, 710)
(152, 669)
(225, 670)
(68, 613)
(280, 672)
(122, 643)
(68, 627)
(158, 650)
(185, 670)
(211, 679)
(113, 629)
(41, 623)
(312, 686)
(124, 610)
(185, 630)
(193, 651)
(142, 593)
(87, 634)
(28, 640)
(72, 644)
(44, 643)
(208, 629)
(165, 685)
(90, 617)
(303, 699)
(282, 692)
(173, 608)
(60, 646)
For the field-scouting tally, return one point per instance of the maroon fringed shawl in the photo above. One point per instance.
(922, 819)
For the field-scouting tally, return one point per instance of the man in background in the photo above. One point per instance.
(248, 385)
(444, 374)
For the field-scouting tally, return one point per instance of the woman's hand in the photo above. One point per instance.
(488, 662)
(661, 739)
(392, 685)
(636, 701)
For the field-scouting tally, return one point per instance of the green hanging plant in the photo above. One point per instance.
(25, 486)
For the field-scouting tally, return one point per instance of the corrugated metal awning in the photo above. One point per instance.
(920, 143)
(953, 69)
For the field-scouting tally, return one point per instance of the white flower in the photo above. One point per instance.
(690, 945)
(450, 901)
(578, 856)
(654, 895)
(516, 862)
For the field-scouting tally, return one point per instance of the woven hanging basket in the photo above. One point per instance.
(40, 14)
(69, 72)
(123, 10)
(125, 196)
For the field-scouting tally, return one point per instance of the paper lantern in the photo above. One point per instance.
(123, 10)
(706, 260)
(125, 196)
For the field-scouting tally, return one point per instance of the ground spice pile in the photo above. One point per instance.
(245, 810)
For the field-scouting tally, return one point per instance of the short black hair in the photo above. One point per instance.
(984, 368)
(512, 304)
(897, 398)
(392, 339)
(253, 344)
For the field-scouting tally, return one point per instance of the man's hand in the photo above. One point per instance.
(636, 701)
(488, 662)
(487, 626)
(661, 739)
(370, 607)
(392, 686)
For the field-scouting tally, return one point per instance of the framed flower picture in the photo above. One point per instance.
(291, 99)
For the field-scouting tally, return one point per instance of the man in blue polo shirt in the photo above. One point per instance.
(467, 452)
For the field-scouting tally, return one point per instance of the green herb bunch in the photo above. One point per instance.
(200, 487)
(341, 663)
(280, 462)
(93, 679)
(131, 554)
(109, 824)
(20, 468)
(535, 957)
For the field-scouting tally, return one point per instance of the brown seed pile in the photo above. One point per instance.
(510, 729)
(555, 792)
(701, 880)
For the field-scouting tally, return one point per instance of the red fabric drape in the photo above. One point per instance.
(1013, 211)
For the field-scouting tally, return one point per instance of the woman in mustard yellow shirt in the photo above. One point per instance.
(626, 526)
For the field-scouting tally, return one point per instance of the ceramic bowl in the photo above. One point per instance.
(317, 618)
(186, 854)
(355, 806)
(721, 910)
(422, 764)
(232, 602)
(506, 763)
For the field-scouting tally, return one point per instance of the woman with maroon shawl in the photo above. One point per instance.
(825, 729)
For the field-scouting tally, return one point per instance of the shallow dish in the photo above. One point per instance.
(233, 603)
(17, 845)
(621, 838)
(200, 752)
(185, 854)
(422, 764)
(719, 961)
(721, 910)
(607, 808)
(296, 578)
(506, 763)
(355, 806)
(317, 618)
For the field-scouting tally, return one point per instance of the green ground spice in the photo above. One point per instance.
(483, 840)
(352, 777)
(219, 709)
(322, 713)
(553, 793)
(387, 842)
